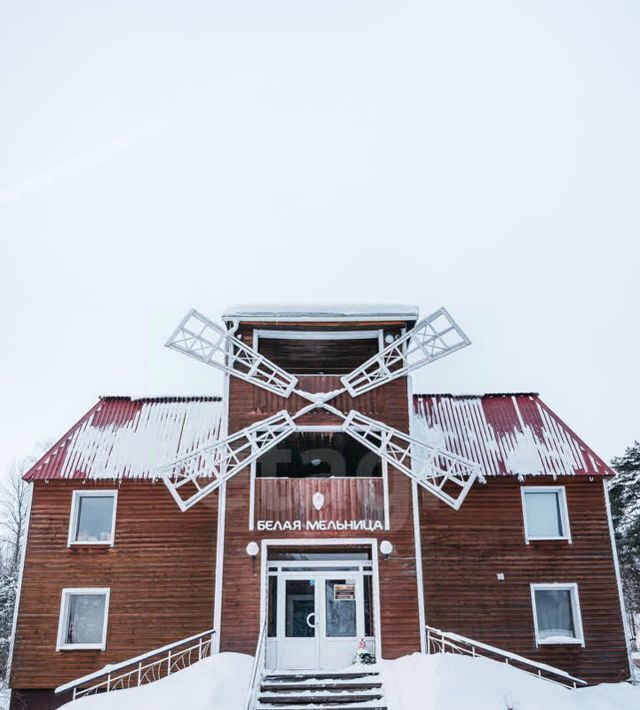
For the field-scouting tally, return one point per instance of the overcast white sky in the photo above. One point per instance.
(480, 155)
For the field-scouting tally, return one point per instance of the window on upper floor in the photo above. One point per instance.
(545, 513)
(556, 614)
(83, 619)
(93, 518)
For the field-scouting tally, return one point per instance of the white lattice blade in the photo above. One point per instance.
(208, 342)
(433, 337)
(193, 476)
(447, 476)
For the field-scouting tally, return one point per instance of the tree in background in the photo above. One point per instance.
(14, 507)
(624, 494)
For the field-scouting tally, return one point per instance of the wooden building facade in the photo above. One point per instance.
(320, 541)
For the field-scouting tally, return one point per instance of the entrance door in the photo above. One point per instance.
(342, 620)
(297, 627)
(321, 618)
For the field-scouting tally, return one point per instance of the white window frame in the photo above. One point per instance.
(73, 518)
(564, 512)
(63, 619)
(575, 610)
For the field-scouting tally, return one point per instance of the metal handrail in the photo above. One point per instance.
(170, 660)
(445, 642)
(259, 663)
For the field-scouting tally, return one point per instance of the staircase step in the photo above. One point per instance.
(320, 685)
(324, 675)
(313, 698)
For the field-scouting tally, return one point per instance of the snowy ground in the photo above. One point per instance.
(453, 682)
(217, 683)
(437, 682)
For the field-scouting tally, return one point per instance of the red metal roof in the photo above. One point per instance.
(507, 434)
(125, 437)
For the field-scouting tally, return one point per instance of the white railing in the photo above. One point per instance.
(445, 642)
(143, 669)
(259, 663)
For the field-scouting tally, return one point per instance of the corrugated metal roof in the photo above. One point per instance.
(507, 434)
(122, 437)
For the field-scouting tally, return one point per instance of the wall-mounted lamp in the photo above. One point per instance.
(253, 549)
(388, 338)
(386, 548)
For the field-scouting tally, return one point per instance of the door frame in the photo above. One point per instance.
(322, 643)
(265, 544)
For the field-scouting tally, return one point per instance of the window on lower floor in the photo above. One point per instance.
(93, 516)
(545, 513)
(556, 614)
(83, 619)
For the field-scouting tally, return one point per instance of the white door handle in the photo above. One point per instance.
(313, 626)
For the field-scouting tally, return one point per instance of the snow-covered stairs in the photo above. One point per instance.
(339, 690)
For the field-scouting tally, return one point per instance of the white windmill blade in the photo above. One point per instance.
(193, 476)
(447, 476)
(433, 337)
(204, 340)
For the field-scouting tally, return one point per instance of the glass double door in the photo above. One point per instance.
(320, 619)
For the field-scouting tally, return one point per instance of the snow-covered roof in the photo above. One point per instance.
(322, 311)
(507, 434)
(121, 437)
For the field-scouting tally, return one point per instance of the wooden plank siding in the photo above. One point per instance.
(160, 572)
(285, 499)
(464, 550)
(251, 403)
(241, 583)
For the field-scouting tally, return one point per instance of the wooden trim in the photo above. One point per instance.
(616, 565)
(419, 577)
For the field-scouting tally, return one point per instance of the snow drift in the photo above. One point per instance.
(217, 683)
(446, 681)
(417, 682)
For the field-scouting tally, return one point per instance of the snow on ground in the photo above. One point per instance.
(417, 682)
(454, 682)
(217, 683)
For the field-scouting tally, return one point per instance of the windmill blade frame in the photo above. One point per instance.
(432, 338)
(447, 476)
(200, 338)
(208, 466)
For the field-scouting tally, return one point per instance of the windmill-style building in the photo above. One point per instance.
(317, 506)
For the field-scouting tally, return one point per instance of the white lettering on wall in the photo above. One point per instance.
(318, 525)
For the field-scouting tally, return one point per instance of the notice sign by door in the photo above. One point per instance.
(344, 592)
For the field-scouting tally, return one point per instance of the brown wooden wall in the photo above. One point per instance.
(283, 499)
(160, 571)
(463, 552)
(241, 585)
